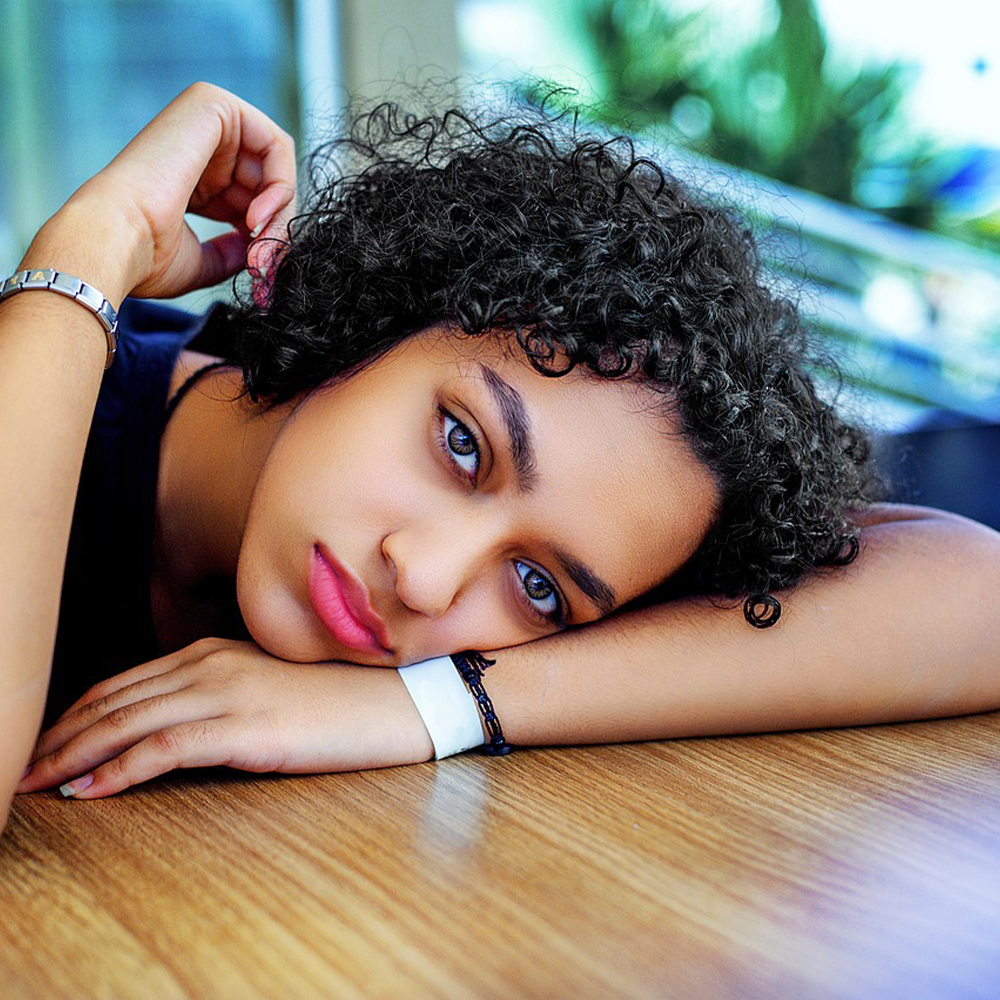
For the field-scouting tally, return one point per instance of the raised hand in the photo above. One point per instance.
(219, 701)
(210, 153)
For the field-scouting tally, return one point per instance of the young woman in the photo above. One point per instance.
(504, 388)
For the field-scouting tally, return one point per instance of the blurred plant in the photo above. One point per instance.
(775, 105)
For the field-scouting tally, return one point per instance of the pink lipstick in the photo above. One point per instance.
(341, 604)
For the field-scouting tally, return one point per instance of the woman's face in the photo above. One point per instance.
(449, 497)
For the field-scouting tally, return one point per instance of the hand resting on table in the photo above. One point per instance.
(219, 701)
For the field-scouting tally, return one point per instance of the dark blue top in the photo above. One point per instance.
(105, 618)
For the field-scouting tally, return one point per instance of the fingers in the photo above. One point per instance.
(158, 707)
(210, 153)
(163, 676)
(214, 702)
(270, 212)
(252, 153)
(221, 257)
(132, 676)
(98, 733)
(192, 744)
(275, 202)
(248, 173)
(109, 716)
(261, 203)
(264, 253)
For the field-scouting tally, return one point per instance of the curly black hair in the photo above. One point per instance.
(598, 258)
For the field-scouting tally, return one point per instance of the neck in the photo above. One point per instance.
(211, 454)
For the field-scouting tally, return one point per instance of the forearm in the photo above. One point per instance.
(52, 354)
(909, 630)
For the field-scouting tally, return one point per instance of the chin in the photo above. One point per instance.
(278, 640)
(274, 620)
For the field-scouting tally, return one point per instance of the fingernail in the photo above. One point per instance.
(257, 230)
(261, 289)
(76, 785)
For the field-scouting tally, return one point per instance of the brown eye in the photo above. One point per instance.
(540, 591)
(460, 445)
(536, 586)
(461, 441)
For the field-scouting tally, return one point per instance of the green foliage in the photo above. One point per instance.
(773, 103)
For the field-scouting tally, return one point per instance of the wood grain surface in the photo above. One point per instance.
(850, 863)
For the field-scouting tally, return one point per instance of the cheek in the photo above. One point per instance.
(272, 616)
(484, 618)
(273, 566)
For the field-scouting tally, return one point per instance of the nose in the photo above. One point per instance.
(431, 565)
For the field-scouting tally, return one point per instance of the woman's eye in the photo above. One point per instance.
(461, 445)
(541, 593)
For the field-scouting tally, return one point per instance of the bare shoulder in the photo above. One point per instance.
(894, 513)
(890, 513)
(930, 540)
(188, 362)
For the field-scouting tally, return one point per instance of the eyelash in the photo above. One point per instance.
(447, 426)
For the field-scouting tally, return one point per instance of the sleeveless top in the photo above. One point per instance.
(105, 616)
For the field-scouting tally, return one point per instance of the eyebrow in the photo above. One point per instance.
(597, 591)
(522, 451)
(515, 419)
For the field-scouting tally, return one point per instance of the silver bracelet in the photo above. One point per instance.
(48, 280)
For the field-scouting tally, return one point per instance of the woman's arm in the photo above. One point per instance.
(909, 630)
(52, 354)
(123, 231)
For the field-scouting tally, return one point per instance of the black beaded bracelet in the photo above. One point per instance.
(470, 666)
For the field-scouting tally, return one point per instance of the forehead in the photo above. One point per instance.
(616, 485)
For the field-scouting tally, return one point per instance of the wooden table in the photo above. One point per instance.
(853, 863)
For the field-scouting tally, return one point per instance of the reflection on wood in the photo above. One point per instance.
(853, 862)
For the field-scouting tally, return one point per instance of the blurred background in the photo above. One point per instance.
(860, 139)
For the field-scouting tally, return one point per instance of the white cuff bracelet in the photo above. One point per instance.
(448, 710)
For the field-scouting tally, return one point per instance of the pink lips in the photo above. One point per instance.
(341, 603)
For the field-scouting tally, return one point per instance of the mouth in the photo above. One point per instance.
(341, 603)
